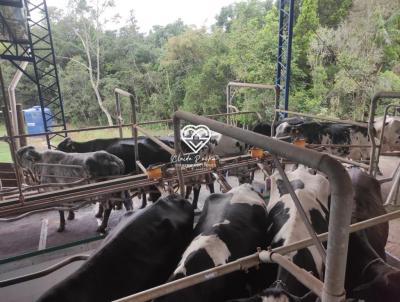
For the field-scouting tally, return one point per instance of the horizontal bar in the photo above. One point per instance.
(156, 140)
(348, 161)
(252, 85)
(123, 92)
(6, 138)
(299, 273)
(324, 118)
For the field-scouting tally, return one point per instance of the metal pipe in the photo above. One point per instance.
(347, 161)
(5, 138)
(119, 114)
(342, 193)
(381, 139)
(300, 209)
(393, 190)
(21, 125)
(374, 161)
(251, 85)
(13, 149)
(156, 140)
(44, 272)
(324, 118)
(13, 102)
(299, 273)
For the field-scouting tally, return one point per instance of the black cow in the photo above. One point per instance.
(231, 226)
(368, 277)
(149, 152)
(140, 253)
(368, 204)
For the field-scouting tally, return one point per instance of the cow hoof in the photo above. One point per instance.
(61, 229)
(101, 230)
(71, 216)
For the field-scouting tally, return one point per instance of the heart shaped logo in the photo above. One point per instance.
(195, 137)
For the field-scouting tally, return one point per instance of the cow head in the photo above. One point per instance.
(28, 156)
(67, 145)
(384, 287)
(289, 127)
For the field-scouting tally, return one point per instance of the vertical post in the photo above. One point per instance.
(178, 151)
(134, 130)
(12, 145)
(228, 101)
(119, 114)
(289, 53)
(21, 126)
(285, 33)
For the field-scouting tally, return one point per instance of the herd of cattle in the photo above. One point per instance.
(158, 243)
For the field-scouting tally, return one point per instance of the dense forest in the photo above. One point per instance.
(343, 52)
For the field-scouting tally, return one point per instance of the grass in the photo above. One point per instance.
(40, 142)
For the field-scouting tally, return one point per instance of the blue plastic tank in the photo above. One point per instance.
(34, 119)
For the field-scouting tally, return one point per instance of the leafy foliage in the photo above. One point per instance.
(343, 52)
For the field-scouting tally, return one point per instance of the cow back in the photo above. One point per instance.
(141, 252)
(368, 204)
(232, 225)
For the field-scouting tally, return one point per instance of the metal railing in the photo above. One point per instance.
(376, 149)
(341, 193)
(229, 97)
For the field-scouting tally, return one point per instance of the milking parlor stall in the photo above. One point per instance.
(255, 205)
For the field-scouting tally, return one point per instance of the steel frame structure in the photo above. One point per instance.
(284, 55)
(39, 50)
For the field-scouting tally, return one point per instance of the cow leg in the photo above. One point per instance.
(61, 227)
(99, 213)
(188, 191)
(104, 222)
(144, 200)
(71, 215)
(196, 193)
(127, 201)
(211, 187)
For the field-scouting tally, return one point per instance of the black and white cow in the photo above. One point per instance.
(140, 253)
(330, 133)
(287, 227)
(232, 225)
(221, 146)
(313, 192)
(91, 165)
